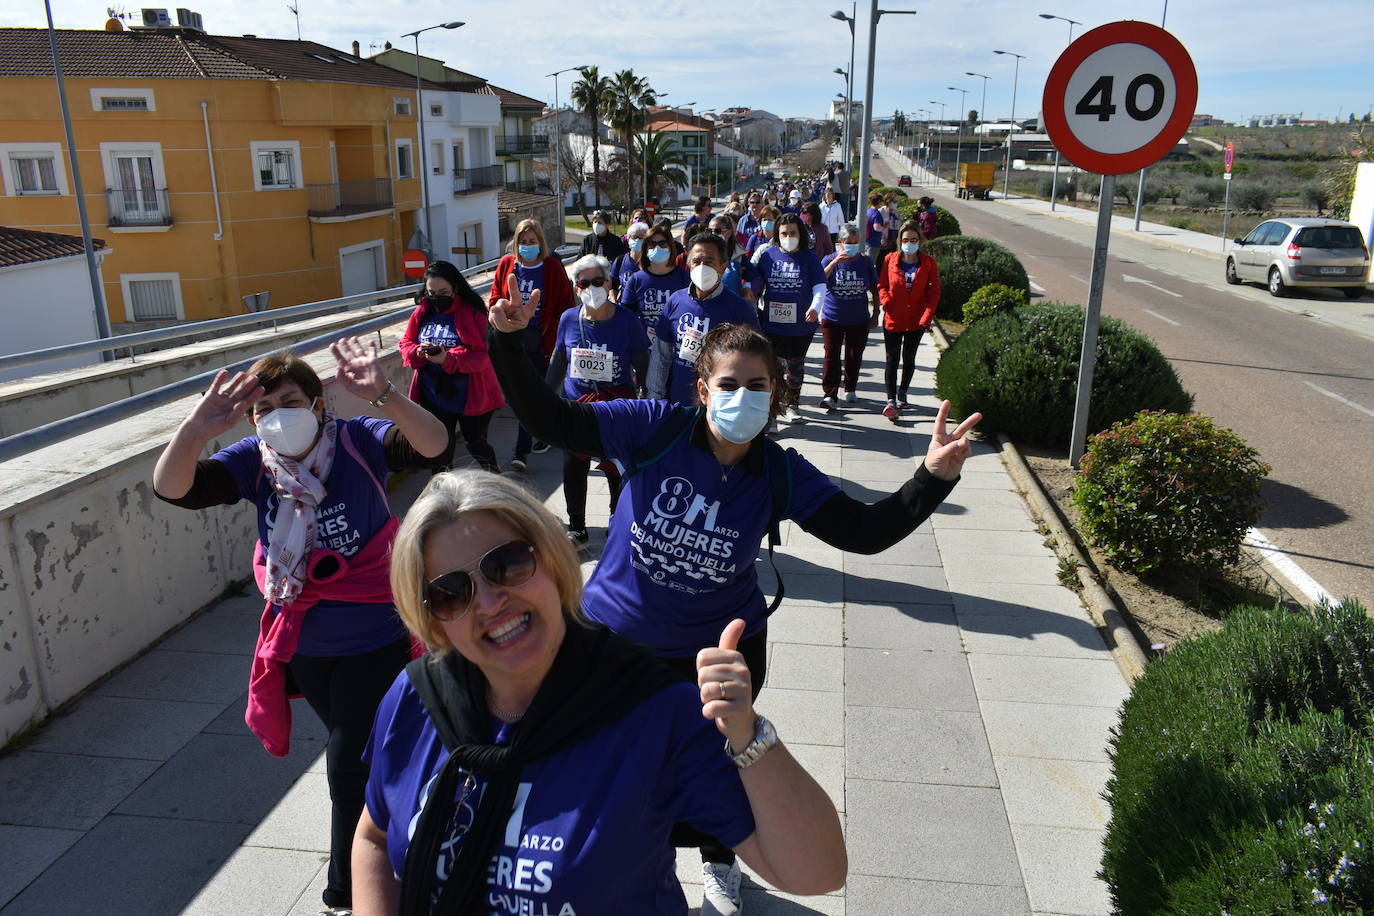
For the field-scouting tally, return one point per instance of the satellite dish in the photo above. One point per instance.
(114, 25)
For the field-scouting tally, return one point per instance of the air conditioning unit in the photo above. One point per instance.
(156, 19)
(188, 19)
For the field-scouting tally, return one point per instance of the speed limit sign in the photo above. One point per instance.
(1120, 97)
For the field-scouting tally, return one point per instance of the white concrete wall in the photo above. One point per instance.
(46, 305)
(1362, 206)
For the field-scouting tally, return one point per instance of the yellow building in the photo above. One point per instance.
(216, 167)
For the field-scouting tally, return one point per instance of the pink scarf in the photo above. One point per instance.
(299, 485)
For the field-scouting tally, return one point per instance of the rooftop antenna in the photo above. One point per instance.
(295, 11)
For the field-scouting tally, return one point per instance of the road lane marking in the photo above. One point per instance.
(1346, 401)
(1130, 279)
(1290, 570)
(1078, 278)
(1162, 318)
(1036, 287)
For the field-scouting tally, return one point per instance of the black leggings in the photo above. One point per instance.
(575, 470)
(473, 429)
(344, 692)
(755, 651)
(901, 344)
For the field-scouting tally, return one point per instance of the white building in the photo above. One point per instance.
(45, 296)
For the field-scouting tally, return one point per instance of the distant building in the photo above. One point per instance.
(1275, 120)
(1206, 120)
(45, 295)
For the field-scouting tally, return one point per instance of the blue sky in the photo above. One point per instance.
(1256, 57)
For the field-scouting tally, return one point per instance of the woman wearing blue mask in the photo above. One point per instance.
(763, 235)
(851, 284)
(625, 266)
(646, 292)
(680, 549)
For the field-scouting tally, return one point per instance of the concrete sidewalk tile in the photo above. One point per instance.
(804, 560)
(984, 519)
(1067, 681)
(223, 778)
(962, 568)
(872, 583)
(120, 727)
(1048, 730)
(1003, 598)
(305, 725)
(1061, 866)
(229, 628)
(994, 543)
(917, 549)
(930, 832)
(813, 624)
(26, 852)
(1044, 634)
(804, 588)
(984, 499)
(308, 904)
(806, 716)
(760, 902)
(825, 763)
(901, 626)
(1054, 793)
(65, 790)
(162, 674)
(865, 894)
(300, 820)
(131, 865)
(984, 478)
(917, 745)
(803, 667)
(256, 882)
(908, 678)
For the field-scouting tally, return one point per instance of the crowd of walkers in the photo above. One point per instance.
(503, 738)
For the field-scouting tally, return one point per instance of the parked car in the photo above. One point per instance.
(903, 181)
(1293, 253)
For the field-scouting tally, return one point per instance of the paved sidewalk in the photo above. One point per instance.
(949, 695)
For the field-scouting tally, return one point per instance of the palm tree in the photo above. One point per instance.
(593, 96)
(632, 97)
(661, 160)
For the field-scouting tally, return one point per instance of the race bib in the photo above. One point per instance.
(782, 312)
(590, 364)
(689, 345)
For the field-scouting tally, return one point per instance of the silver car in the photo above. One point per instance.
(1300, 252)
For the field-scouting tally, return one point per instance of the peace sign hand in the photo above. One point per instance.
(512, 313)
(948, 451)
(357, 368)
(223, 405)
(727, 693)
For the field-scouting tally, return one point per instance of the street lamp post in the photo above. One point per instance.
(959, 135)
(875, 14)
(648, 137)
(844, 133)
(1011, 125)
(982, 112)
(849, 20)
(939, 142)
(1140, 188)
(558, 145)
(420, 116)
(677, 137)
(1054, 182)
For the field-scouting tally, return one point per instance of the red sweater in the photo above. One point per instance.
(555, 298)
(908, 308)
(484, 392)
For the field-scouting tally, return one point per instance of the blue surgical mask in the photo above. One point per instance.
(767, 225)
(659, 254)
(739, 415)
(636, 245)
(528, 252)
(851, 251)
(910, 248)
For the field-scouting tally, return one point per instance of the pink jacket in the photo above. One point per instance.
(484, 392)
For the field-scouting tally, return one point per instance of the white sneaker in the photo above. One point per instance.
(852, 397)
(793, 415)
(720, 889)
(829, 403)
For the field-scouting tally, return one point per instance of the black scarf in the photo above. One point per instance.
(596, 678)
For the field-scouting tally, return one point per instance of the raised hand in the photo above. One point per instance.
(223, 405)
(512, 313)
(948, 451)
(357, 368)
(726, 688)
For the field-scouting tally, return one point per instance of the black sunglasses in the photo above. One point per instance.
(449, 597)
(583, 283)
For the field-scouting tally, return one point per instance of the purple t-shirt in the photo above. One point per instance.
(646, 294)
(351, 513)
(683, 326)
(874, 235)
(530, 279)
(613, 342)
(787, 283)
(447, 390)
(847, 290)
(590, 828)
(679, 558)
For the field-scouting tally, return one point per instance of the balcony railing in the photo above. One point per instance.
(138, 207)
(345, 198)
(517, 144)
(482, 178)
(527, 185)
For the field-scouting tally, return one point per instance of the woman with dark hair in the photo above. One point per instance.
(909, 290)
(821, 243)
(697, 498)
(445, 343)
(739, 276)
(647, 290)
(793, 283)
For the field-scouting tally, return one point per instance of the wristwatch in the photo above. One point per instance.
(382, 398)
(765, 738)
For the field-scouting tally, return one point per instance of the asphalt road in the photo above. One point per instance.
(1299, 388)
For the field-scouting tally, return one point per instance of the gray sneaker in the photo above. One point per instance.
(720, 889)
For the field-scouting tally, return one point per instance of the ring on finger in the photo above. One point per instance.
(723, 694)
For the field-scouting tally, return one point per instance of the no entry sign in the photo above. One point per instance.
(414, 263)
(1120, 97)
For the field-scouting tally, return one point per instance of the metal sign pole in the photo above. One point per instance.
(1226, 211)
(1091, 319)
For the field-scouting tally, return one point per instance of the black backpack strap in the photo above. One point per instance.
(422, 677)
(676, 425)
(779, 471)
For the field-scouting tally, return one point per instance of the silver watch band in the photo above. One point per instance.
(382, 398)
(765, 738)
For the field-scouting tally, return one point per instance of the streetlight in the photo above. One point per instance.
(875, 14)
(849, 86)
(649, 136)
(1140, 188)
(558, 147)
(982, 112)
(1011, 125)
(959, 136)
(844, 133)
(1054, 182)
(420, 116)
(677, 119)
(939, 141)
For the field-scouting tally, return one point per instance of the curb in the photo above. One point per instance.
(1110, 620)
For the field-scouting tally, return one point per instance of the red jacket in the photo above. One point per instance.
(555, 298)
(471, 359)
(913, 308)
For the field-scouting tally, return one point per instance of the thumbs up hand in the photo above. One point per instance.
(727, 694)
(512, 313)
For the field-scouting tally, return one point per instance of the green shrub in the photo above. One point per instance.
(1181, 222)
(1254, 195)
(1021, 370)
(1243, 771)
(1169, 489)
(967, 264)
(945, 223)
(993, 298)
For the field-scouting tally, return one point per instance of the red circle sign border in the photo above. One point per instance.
(409, 255)
(1185, 96)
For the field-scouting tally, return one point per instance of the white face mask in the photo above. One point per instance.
(599, 228)
(705, 277)
(593, 297)
(789, 243)
(289, 431)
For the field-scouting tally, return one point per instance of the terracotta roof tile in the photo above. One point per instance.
(25, 246)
